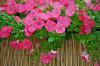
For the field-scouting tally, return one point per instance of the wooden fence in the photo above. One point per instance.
(69, 55)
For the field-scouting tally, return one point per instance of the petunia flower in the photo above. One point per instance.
(29, 30)
(60, 28)
(88, 23)
(11, 7)
(70, 10)
(26, 44)
(45, 16)
(46, 58)
(27, 33)
(57, 5)
(28, 21)
(2, 8)
(70, 7)
(85, 56)
(65, 21)
(14, 44)
(17, 19)
(50, 26)
(29, 5)
(53, 12)
(38, 24)
(96, 8)
(20, 8)
(65, 2)
(5, 32)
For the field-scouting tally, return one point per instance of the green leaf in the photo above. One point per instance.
(41, 33)
(51, 39)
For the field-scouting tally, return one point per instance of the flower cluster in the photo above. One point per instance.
(94, 7)
(88, 23)
(53, 15)
(24, 45)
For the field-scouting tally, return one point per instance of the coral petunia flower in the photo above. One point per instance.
(5, 32)
(26, 44)
(88, 23)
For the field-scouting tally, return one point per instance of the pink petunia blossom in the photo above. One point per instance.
(28, 21)
(26, 44)
(57, 5)
(85, 56)
(60, 28)
(65, 2)
(70, 10)
(11, 7)
(14, 44)
(89, 3)
(53, 12)
(48, 2)
(70, 7)
(38, 24)
(29, 30)
(2, 8)
(29, 5)
(86, 29)
(20, 8)
(6, 29)
(45, 16)
(96, 8)
(5, 32)
(88, 23)
(17, 19)
(27, 33)
(46, 58)
(50, 26)
(65, 21)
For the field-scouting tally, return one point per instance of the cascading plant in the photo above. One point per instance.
(51, 22)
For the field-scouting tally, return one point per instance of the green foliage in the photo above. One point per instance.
(75, 25)
(80, 4)
(96, 17)
(52, 40)
(40, 34)
(92, 43)
(8, 20)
